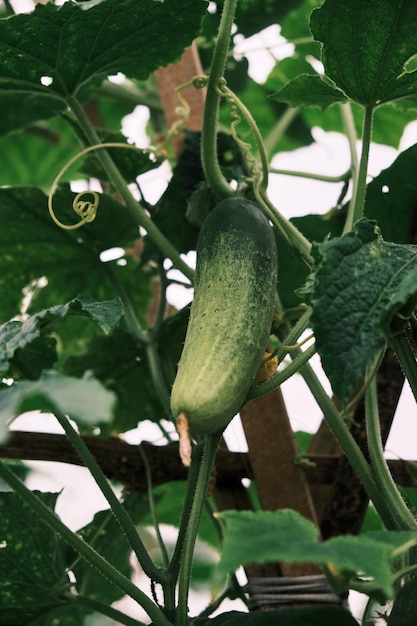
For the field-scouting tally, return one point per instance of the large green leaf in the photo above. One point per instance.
(360, 283)
(286, 536)
(31, 561)
(34, 247)
(78, 46)
(83, 399)
(313, 616)
(367, 46)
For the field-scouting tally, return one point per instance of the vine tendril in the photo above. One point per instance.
(86, 210)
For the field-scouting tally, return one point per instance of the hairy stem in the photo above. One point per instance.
(184, 578)
(349, 446)
(357, 203)
(401, 515)
(212, 171)
(89, 554)
(117, 508)
(135, 209)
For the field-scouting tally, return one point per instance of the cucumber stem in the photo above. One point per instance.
(200, 494)
(211, 168)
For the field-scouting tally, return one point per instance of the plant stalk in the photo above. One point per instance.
(357, 203)
(117, 508)
(204, 474)
(212, 171)
(87, 552)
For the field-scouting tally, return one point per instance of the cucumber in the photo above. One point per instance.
(231, 315)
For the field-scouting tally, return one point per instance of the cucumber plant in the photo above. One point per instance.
(89, 336)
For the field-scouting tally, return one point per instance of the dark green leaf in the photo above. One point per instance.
(20, 109)
(404, 611)
(320, 616)
(292, 272)
(83, 399)
(31, 561)
(367, 45)
(34, 247)
(27, 345)
(78, 46)
(286, 536)
(361, 283)
(309, 90)
(391, 197)
(121, 365)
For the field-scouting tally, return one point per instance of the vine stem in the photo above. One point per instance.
(402, 516)
(211, 168)
(117, 508)
(357, 203)
(185, 567)
(320, 177)
(349, 446)
(406, 358)
(87, 552)
(136, 210)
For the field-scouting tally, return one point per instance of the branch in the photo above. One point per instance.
(121, 461)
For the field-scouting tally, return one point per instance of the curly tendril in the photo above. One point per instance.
(85, 209)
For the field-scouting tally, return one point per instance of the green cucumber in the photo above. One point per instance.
(231, 314)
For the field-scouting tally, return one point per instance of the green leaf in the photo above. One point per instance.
(309, 90)
(120, 363)
(286, 536)
(391, 197)
(33, 246)
(27, 345)
(320, 616)
(367, 46)
(82, 399)
(76, 46)
(361, 282)
(404, 611)
(31, 561)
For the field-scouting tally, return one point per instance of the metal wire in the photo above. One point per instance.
(294, 590)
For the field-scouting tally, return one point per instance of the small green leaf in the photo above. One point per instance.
(82, 399)
(286, 536)
(309, 90)
(31, 561)
(361, 282)
(367, 46)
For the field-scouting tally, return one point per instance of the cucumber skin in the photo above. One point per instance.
(231, 315)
